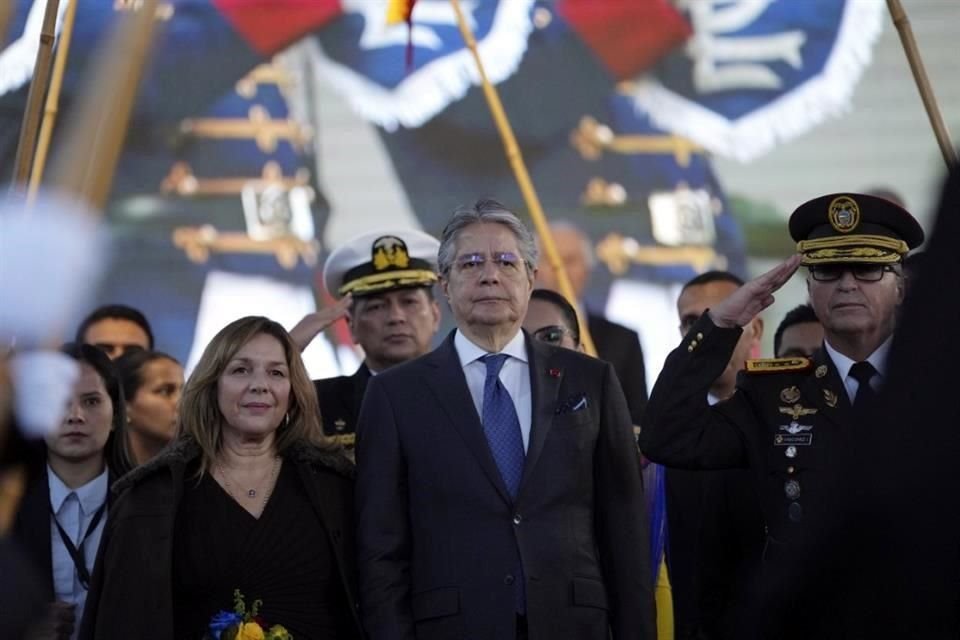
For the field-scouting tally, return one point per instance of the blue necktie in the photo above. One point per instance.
(501, 425)
(502, 428)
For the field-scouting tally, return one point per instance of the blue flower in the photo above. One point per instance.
(221, 621)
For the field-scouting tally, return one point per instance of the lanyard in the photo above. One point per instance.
(76, 553)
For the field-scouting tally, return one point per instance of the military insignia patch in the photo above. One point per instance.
(796, 411)
(790, 395)
(844, 214)
(778, 365)
(830, 398)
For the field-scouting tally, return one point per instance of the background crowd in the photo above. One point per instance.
(493, 487)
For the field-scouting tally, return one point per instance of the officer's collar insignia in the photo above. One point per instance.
(844, 214)
(778, 365)
(830, 398)
(390, 252)
(796, 411)
(790, 395)
(821, 371)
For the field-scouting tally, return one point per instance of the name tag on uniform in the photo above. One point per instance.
(793, 439)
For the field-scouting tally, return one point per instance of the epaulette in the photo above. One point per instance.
(778, 365)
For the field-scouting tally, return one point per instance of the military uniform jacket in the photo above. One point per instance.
(340, 399)
(788, 422)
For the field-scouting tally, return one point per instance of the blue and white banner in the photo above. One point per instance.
(757, 73)
(364, 58)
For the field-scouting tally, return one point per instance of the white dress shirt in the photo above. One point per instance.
(74, 509)
(878, 359)
(515, 377)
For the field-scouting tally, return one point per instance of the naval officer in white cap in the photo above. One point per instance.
(384, 280)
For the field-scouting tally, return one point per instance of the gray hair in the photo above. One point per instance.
(485, 211)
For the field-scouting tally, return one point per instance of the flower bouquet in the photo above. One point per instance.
(243, 623)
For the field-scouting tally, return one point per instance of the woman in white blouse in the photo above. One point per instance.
(63, 513)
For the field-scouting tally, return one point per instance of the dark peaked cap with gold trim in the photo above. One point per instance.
(853, 227)
(379, 261)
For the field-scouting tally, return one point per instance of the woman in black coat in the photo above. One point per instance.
(249, 509)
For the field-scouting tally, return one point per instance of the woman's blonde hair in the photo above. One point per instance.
(200, 417)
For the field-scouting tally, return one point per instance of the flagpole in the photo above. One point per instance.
(36, 96)
(515, 157)
(85, 164)
(53, 99)
(940, 131)
(6, 15)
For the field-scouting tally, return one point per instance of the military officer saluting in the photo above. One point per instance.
(392, 314)
(789, 416)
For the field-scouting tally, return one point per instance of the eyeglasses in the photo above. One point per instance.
(473, 263)
(552, 334)
(861, 272)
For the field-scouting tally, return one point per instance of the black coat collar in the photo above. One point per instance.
(185, 450)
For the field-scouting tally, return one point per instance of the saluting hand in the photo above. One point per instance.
(746, 302)
(313, 323)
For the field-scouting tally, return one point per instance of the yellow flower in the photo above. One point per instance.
(250, 631)
(277, 632)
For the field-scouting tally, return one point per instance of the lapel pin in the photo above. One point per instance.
(830, 398)
(790, 395)
(553, 373)
(821, 371)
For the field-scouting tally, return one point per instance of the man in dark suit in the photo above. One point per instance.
(385, 280)
(615, 343)
(498, 484)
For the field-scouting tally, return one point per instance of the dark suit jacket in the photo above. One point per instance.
(440, 539)
(32, 527)
(340, 400)
(620, 346)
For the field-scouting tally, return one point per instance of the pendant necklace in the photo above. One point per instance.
(252, 492)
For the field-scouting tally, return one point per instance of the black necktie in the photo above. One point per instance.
(863, 373)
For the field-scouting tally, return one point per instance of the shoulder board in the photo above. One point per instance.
(778, 365)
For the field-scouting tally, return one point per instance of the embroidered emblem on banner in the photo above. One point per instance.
(757, 73)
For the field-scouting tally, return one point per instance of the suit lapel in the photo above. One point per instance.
(33, 527)
(828, 390)
(544, 389)
(359, 380)
(449, 385)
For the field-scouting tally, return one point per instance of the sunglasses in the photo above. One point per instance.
(860, 272)
(551, 334)
(109, 347)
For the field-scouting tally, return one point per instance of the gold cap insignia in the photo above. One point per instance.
(844, 214)
(790, 395)
(390, 251)
(821, 371)
(830, 398)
